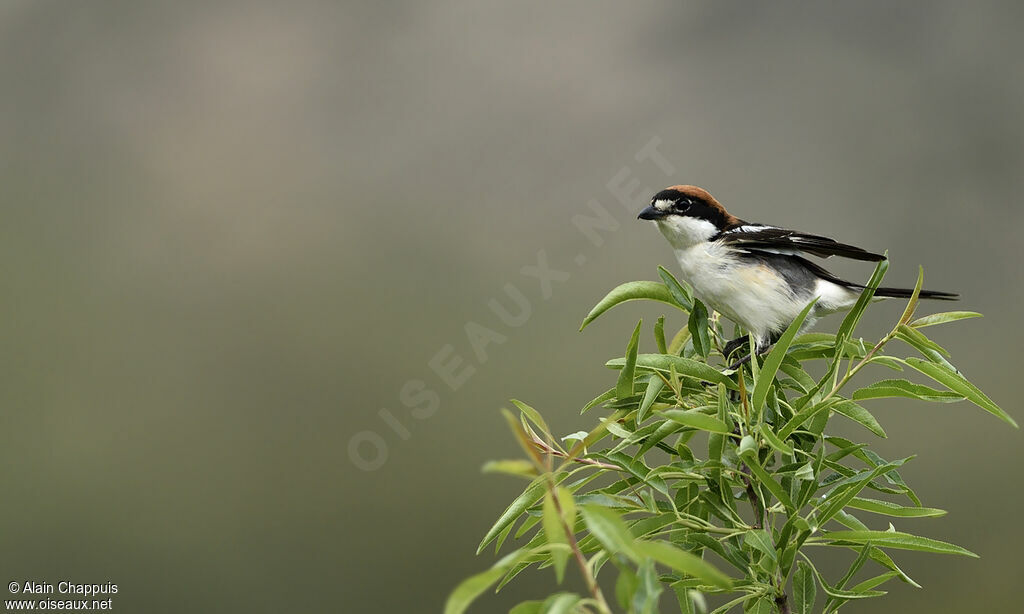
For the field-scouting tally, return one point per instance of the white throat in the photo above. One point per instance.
(683, 231)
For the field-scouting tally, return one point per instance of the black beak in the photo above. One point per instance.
(651, 213)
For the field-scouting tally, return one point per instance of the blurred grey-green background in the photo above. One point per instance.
(233, 233)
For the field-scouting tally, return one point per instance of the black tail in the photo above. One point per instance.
(907, 293)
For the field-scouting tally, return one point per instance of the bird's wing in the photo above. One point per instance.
(755, 237)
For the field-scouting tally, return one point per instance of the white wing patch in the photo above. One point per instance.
(749, 228)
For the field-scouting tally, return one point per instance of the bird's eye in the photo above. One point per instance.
(683, 204)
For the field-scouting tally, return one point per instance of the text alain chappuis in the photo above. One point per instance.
(66, 595)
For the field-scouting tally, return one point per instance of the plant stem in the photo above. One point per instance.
(585, 461)
(782, 602)
(581, 561)
(853, 371)
(760, 514)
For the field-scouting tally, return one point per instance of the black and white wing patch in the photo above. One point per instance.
(754, 237)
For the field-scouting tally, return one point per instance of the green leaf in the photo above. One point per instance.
(839, 593)
(680, 292)
(520, 467)
(767, 480)
(527, 607)
(530, 496)
(894, 539)
(920, 341)
(915, 298)
(624, 387)
(942, 318)
(761, 541)
(471, 588)
(659, 335)
(804, 589)
(747, 446)
(773, 440)
(554, 526)
(675, 347)
(697, 420)
(902, 388)
(625, 587)
(533, 416)
(802, 416)
(876, 581)
(648, 590)
(608, 528)
(607, 396)
(683, 366)
(858, 414)
(630, 291)
(682, 562)
(560, 603)
(654, 387)
(698, 325)
(891, 509)
(774, 359)
(959, 384)
(842, 495)
(762, 605)
(853, 316)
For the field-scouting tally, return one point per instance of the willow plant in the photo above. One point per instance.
(718, 485)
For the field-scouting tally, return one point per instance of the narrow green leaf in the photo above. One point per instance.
(920, 341)
(697, 420)
(683, 366)
(858, 414)
(624, 387)
(659, 335)
(471, 588)
(519, 467)
(901, 541)
(839, 593)
(654, 387)
(680, 292)
(876, 581)
(625, 587)
(774, 359)
(554, 526)
(530, 496)
(959, 384)
(648, 590)
(802, 416)
(902, 388)
(608, 528)
(915, 297)
(891, 509)
(804, 589)
(698, 325)
(760, 540)
(533, 416)
(773, 440)
(942, 318)
(853, 316)
(767, 480)
(762, 605)
(607, 396)
(683, 562)
(630, 291)
(840, 497)
(675, 347)
(527, 607)
(560, 603)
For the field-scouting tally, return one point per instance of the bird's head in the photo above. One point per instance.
(686, 215)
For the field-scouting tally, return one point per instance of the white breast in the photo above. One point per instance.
(747, 292)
